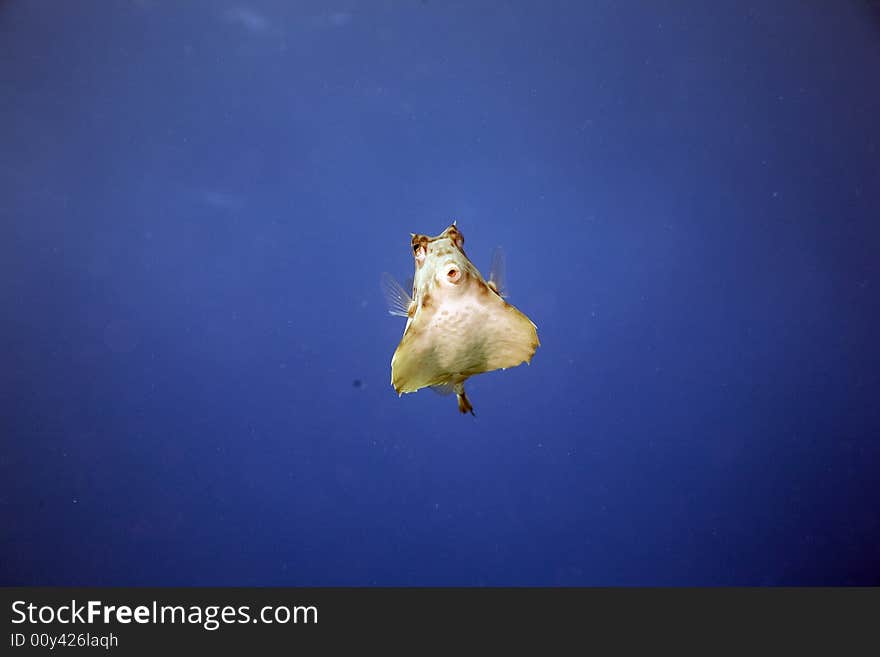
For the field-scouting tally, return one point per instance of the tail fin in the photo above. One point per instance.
(464, 404)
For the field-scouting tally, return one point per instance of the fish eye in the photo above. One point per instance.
(453, 274)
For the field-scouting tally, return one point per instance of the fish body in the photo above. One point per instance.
(458, 324)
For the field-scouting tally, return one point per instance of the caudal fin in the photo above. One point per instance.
(464, 404)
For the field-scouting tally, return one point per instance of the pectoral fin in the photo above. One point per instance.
(398, 299)
(496, 273)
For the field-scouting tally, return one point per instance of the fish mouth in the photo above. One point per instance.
(450, 273)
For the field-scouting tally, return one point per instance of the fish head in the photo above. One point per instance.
(442, 267)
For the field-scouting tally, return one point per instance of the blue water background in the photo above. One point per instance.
(197, 201)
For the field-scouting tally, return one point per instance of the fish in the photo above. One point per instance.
(458, 324)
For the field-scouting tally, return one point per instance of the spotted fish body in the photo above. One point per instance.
(458, 325)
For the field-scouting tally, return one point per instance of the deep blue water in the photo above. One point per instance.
(197, 201)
